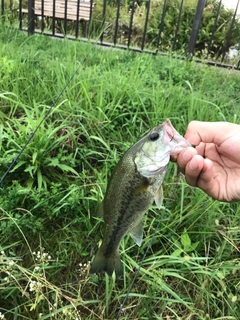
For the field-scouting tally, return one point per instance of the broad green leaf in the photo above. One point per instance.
(39, 178)
(66, 168)
(185, 239)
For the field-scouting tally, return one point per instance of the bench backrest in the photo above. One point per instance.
(71, 9)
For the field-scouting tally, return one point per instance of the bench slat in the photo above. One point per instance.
(71, 10)
(61, 11)
(62, 3)
(62, 15)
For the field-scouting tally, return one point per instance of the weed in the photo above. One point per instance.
(48, 229)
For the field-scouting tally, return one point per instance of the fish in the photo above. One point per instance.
(135, 183)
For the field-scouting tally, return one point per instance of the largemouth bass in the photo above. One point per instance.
(135, 183)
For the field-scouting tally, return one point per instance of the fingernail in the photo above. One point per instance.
(193, 165)
(187, 155)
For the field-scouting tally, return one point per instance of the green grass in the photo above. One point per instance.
(48, 201)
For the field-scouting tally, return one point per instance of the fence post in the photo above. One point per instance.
(117, 22)
(229, 34)
(161, 25)
(103, 20)
(145, 25)
(177, 26)
(196, 26)
(31, 22)
(214, 26)
(2, 5)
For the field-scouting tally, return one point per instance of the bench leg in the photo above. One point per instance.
(84, 25)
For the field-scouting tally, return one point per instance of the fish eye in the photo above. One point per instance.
(154, 136)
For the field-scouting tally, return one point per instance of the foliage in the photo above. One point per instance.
(170, 39)
(48, 231)
(46, 156)
(166, 40)
(187, 17)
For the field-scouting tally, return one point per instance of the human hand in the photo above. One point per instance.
(214, 166)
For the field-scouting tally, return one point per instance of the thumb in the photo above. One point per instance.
(209, 132)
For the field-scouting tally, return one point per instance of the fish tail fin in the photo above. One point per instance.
(108, 264)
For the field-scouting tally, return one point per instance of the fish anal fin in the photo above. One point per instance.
(137, 233)
(159, 197)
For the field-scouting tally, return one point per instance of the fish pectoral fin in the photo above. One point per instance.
(159, 197)
(137, 233)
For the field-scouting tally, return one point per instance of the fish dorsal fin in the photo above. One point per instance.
(159, 197)
(136, 233)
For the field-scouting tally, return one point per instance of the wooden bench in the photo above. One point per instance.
(71, 14)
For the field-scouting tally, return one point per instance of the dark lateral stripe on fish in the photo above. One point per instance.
(115, 230)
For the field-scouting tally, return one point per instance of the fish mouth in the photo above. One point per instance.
(178, 144)
(173, 138)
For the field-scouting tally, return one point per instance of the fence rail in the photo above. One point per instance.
(201, 28)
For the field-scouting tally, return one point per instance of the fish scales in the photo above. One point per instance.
(127, 202)
(133, 186)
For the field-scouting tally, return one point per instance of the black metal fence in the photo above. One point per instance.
(204, 28)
